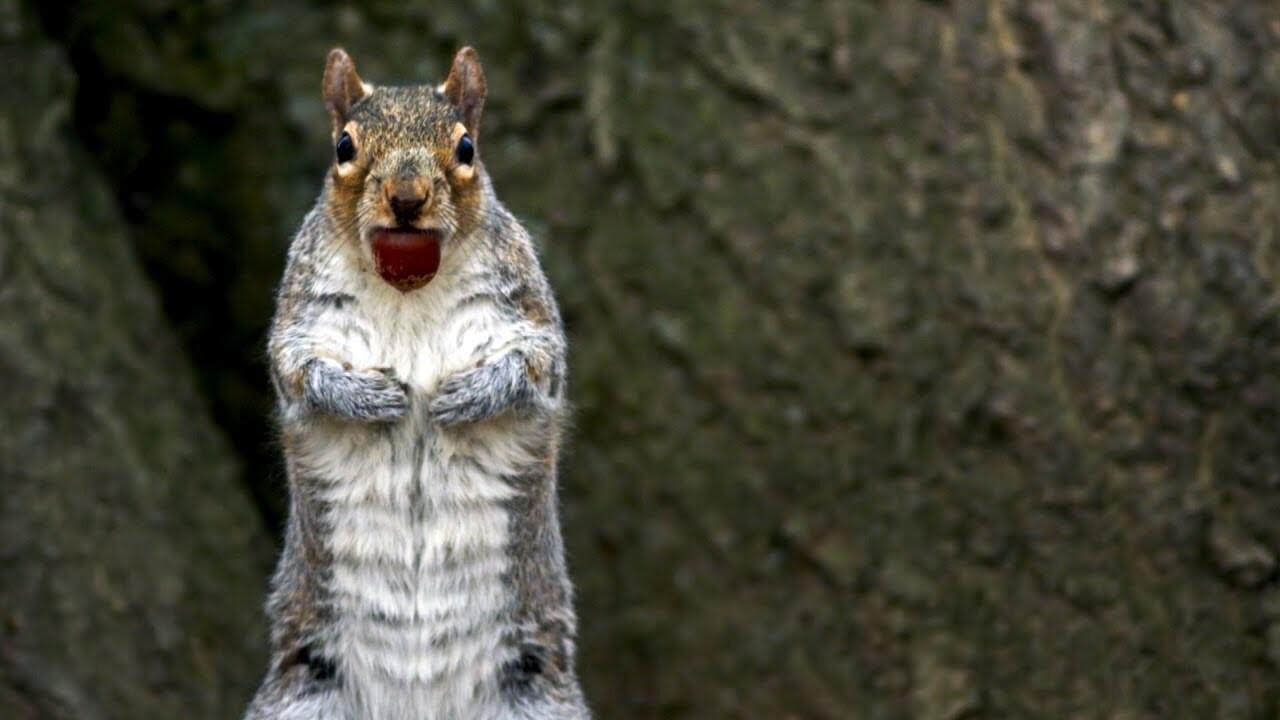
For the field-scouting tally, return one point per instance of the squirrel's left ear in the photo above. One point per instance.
(465, 88)
(342, 87)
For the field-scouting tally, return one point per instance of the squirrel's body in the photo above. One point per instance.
(423, 571)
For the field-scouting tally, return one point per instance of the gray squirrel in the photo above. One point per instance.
(418, 360)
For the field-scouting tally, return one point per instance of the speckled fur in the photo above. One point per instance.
(423, 571)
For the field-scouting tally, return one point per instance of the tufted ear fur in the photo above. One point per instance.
(342, 87)
(465, 88)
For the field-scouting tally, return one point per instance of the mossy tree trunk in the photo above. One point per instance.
(132, 562)
(924, 353)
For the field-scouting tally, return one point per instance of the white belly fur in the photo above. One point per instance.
(417, 526)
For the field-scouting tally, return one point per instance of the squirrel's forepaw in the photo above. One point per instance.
(460, 399)
(365, 395)
(381, 397)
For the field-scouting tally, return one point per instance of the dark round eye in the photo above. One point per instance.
(466, 150)
(346, 149)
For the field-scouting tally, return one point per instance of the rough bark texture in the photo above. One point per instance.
(924, 352)
(131, 561)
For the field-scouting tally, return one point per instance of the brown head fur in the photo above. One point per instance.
(407, 168)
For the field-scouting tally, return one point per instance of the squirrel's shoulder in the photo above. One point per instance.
(519, 267)
(315, 246)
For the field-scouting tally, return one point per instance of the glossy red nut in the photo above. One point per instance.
(406, 259)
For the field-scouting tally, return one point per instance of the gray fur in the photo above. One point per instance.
(481, 393)
(371, 396)
(500, 392)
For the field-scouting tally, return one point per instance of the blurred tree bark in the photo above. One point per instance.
(132, 563)
(924, 352)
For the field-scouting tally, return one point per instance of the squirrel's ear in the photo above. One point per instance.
(465, 88)
(342, 87)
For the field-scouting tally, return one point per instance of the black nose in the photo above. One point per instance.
(405, 206)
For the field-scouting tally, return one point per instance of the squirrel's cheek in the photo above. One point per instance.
(346, 172)
(465, 173)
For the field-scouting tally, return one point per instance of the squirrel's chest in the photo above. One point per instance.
(426, 339)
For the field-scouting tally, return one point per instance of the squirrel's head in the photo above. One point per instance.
(406, 170)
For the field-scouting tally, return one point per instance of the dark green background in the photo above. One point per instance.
(924, 354)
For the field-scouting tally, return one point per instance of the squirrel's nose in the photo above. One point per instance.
(406, 201)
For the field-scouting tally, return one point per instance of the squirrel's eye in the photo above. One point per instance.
(466, 150)
(346, 149)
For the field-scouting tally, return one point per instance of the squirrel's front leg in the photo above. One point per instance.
(306, 348)
(514, 380)
(364, 395)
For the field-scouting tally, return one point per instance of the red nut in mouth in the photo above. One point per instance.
(407, 258)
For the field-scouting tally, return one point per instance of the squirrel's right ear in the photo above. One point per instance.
(342, 87)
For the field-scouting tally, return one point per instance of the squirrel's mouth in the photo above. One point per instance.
(406, 257)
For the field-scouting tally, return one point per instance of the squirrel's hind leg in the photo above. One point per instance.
(296, 696)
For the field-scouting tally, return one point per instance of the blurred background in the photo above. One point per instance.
(924, 353)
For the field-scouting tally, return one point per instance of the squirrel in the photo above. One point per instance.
(418, 360)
